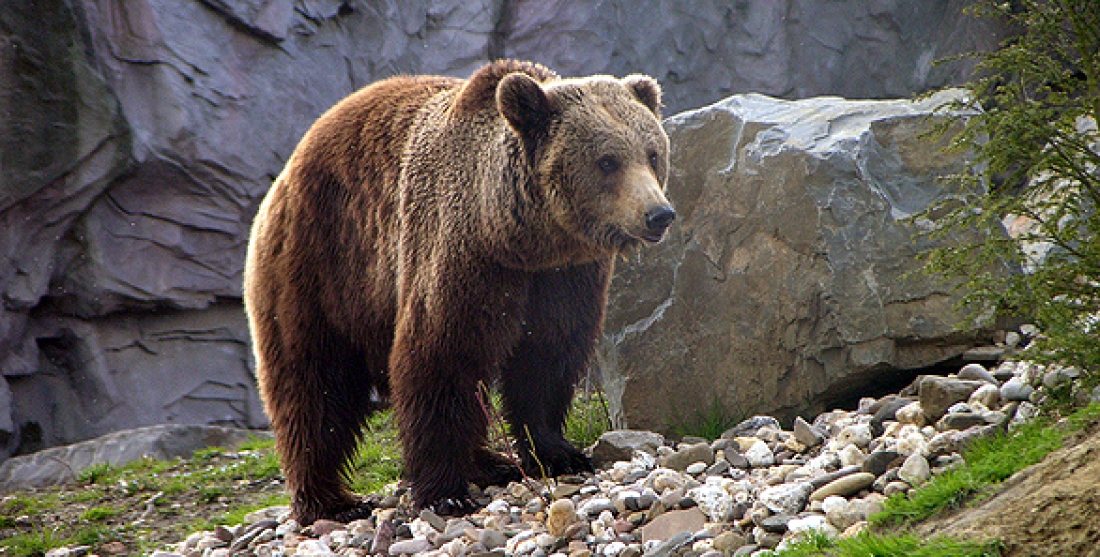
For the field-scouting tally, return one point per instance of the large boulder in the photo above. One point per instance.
(61, 465)
(791, 278)
(138, 137)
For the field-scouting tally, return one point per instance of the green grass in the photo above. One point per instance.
(33, 544)
(236, 516)
(708, 422)
(17, 505)
(94, 474)
(868, 544)
(588, 418)
(100, 513)
(377, 462)
(988, 462)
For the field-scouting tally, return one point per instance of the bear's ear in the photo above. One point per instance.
(524, 103)
(647, 90)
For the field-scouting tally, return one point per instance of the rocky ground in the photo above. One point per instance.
(752, 490)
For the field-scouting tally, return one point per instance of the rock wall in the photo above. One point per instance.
(138, 136)
(790, 280)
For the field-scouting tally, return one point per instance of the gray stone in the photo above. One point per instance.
(746, 550)
(719, 468)
(435, 520)
(410, 547)
(491, 539)
(737, 460)
(976, 372)
(807, 434)
(759, 455)
(786, 498)
(988, 395)
(818, 191)
(1016, 389)
(824, 479)
(937, 394)
(776, 524)
(878, 462)
(59, 464)
(887, 411)
(960, 420)
(749, 427)
(688, 455)
(915, 471)
(668, 525)
(620, 444)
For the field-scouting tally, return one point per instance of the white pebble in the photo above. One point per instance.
(915, 471)
(856, 434)
(852, 456)
(714, 502)
(759, 455)
(499, 506)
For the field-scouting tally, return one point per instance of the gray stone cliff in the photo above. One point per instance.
(138, 136)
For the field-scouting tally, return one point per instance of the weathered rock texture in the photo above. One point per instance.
(61, 465)
(138, 136)
(790, 280)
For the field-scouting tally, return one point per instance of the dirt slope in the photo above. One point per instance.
(1049, 509)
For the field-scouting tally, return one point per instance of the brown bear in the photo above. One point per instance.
(431, 235)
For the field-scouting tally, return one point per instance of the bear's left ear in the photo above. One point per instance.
(647, 90)
(524, 103)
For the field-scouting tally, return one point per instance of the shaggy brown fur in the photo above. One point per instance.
(429, 235)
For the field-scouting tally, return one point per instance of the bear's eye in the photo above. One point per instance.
(654, 160)
(608, 164)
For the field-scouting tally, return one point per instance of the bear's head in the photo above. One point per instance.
(598, 154)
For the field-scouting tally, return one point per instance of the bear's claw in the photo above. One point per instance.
(361, 511)
(492, 468)
(454, 506)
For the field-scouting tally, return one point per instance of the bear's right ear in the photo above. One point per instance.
(523, 103)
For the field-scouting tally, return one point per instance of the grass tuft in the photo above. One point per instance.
(708, 422)
(868, 544)
(588, 418)
(99, 513)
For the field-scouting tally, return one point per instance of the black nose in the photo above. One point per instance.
(657, 219)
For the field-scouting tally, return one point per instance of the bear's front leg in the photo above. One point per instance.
(563, 315)
(443, 353)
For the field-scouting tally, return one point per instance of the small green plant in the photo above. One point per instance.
(708, 422)
(94, 474)
(210, 494)
(99, 513)
(207, 454)
(33, 544)
(92, 536)
(868, 544)
(588, 418)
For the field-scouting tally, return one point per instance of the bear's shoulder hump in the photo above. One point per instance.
(479, 92)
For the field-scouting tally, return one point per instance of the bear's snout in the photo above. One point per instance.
(657, 220)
